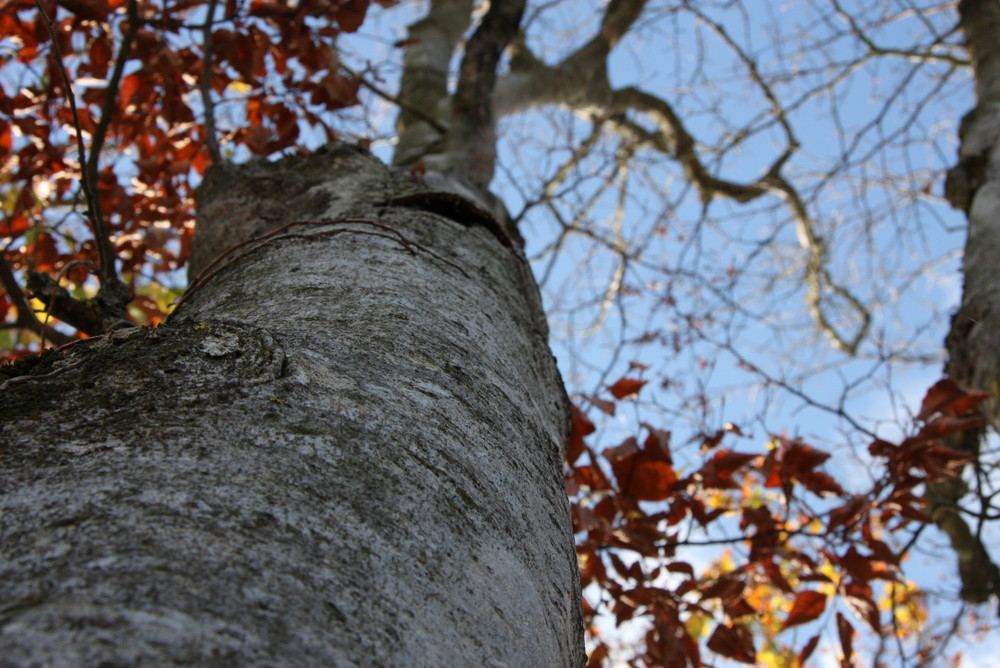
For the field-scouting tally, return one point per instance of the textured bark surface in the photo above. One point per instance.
(973, 343)
(343, 449)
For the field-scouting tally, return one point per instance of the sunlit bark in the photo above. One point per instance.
(344, 449)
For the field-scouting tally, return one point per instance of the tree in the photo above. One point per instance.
(972, 360)
(646, 190)
(350, 459)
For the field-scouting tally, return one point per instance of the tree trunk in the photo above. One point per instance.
(973, 344)
(344, 448)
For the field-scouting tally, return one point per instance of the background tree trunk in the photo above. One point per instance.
(344, 449)
(973, 343)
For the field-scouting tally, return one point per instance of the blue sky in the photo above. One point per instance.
(707, 293)
(728, 280)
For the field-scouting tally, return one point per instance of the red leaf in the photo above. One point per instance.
(681, 567)
(648, 480)
(739, 608)
(946, 425)
(808, 606)
(848, 513)
(820, 483)
(718, 471)
(799, 457)
(351, 14)
(100, 54)
(858, 598)
(947, 398)
(846, 633)
(658, 439)
(775, 576)
(807, 651)
(580, 427)
(336, 92)
(727, 588)
(627, 387)
(43, 253)
(603, 405)
(130, 85)
(597, 656)
(404, 43)
(267, 9)
(94, 10)
(733, 642)
(625, 449)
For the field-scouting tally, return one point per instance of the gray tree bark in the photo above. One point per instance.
(973, 343)
(344, 449)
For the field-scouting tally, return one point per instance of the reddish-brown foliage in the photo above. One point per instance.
(793, 556)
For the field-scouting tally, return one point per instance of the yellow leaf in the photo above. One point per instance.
(239, 87)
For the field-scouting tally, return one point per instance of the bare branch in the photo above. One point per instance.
(205, 85)
(472, 135)
(26, 318)
(923, 55)
(424, 84)
(102, 235)
(87, 180)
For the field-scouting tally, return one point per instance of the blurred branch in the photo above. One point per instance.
(927, 54)
(471, 139)
(205, 85)
(87, 180)
(106, 252)
(26, 318)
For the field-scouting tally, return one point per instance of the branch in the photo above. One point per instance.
(87, 181)
(412, 111)
(205, 85)
(579, 82)
(471, 140)
(424, 85)
(102, 234)
(980, 576)
(980, 22)
(673, 137)
(877, 50)
(26, 318)
(89, 316)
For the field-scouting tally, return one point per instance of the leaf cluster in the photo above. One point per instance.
(793, 547)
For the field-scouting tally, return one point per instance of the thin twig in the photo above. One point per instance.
(106, 253)
(396, 100)
(211, 141)
(89, 184)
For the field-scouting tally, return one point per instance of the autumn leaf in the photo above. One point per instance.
(603, 405)
(947, 398)
(645, 479)
(580, 427)
(351, 14)
(848, 513)
(807, 607)
(733, 642)
(846, 633)
(807, 650)
(627, 387)
(858, 598)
